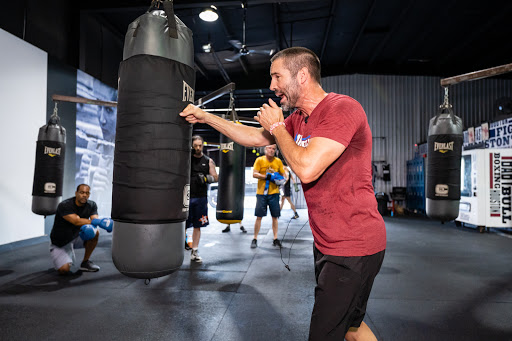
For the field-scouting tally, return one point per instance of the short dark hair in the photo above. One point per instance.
(298, 57)
(78, 187)
(197, 137)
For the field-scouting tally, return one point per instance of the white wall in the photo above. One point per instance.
(23, 83)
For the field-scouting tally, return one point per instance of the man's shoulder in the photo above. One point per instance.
(91, 204)
(67, 202)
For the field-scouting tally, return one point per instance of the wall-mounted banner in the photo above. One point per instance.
(495, 135)
(95, 137)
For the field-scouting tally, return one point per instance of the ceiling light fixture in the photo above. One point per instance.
(207, 48)
(209, 14)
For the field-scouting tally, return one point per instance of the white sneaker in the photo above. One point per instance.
(194, 256)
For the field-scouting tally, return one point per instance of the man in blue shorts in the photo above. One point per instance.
(202, 172)
(266, 169)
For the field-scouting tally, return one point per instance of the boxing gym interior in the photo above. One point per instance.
(420, 69)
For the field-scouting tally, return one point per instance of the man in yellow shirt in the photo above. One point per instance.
(269, 171)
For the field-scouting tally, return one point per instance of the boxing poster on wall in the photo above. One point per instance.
(95, 137)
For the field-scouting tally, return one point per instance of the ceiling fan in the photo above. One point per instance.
(241, 47)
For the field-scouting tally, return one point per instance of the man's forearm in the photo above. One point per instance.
(81, 221)
(241, 134)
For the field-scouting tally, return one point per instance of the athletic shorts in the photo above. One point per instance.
(198, 213)
(65, 254)
(270, 200)
(341, 294)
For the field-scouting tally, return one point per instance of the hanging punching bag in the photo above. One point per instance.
(49, 168)
(443, 165)
(231, 192)
(151, 179)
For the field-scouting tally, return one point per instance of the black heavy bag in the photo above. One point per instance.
(231, 190)
(49, 168)
(443, 166)
(151, 180)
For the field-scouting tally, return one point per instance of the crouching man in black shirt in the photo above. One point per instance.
(72, 229)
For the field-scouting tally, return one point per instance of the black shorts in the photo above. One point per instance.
(286, 189)
(198, 213)
(341, 294)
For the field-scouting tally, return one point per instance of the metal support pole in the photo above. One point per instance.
(62, 98)
(471, 76)
(215, 94)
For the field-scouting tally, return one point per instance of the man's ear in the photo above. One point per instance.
(303, 75)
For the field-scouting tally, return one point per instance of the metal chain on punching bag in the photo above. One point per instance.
(231, 190)
(443, 163)
(49, 166)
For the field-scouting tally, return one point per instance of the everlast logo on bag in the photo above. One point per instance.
(188, 93)
(443, 147)
(226, 147)
(52, 151)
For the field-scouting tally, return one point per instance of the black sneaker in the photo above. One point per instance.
(296, 216)
(227, 229)
(276, 242)
(254, 244)
(243, 229)
(89, 266)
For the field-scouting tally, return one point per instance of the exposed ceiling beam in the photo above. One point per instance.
(200, 68)
(222, 70)
(392, 31)
(277, 26)
(426, 30)
(363, 27)
(474, 35)
(143, 5)
(328, 28)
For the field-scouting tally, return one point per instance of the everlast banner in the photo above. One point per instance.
(500, 187)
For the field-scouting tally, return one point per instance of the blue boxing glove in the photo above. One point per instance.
(87, 232)
(279, 179)
(276, 178)
(105, 223)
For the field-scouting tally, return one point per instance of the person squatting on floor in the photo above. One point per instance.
(202, 173)
(269, 171)
(327, 143)
(75, 226)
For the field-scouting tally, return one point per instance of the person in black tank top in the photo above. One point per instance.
(202, 172)
(287, 191)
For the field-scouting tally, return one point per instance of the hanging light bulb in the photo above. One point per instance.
(209, 14)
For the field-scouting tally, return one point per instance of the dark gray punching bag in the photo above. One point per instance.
(49, 167)
(443, 166)
(231, 190)
(151, 179)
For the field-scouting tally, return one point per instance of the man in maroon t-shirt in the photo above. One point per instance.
(327, 143)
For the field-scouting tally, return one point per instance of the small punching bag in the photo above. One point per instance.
(443, 164)
(49, 168)
(231, 192)
(151, 180)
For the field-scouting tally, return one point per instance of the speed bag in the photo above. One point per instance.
(151, 177)
(231, 189)
(443, 166)
(49, 168)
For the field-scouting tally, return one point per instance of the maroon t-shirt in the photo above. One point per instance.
(342, 207)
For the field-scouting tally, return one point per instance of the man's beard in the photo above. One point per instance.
(292, 95)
